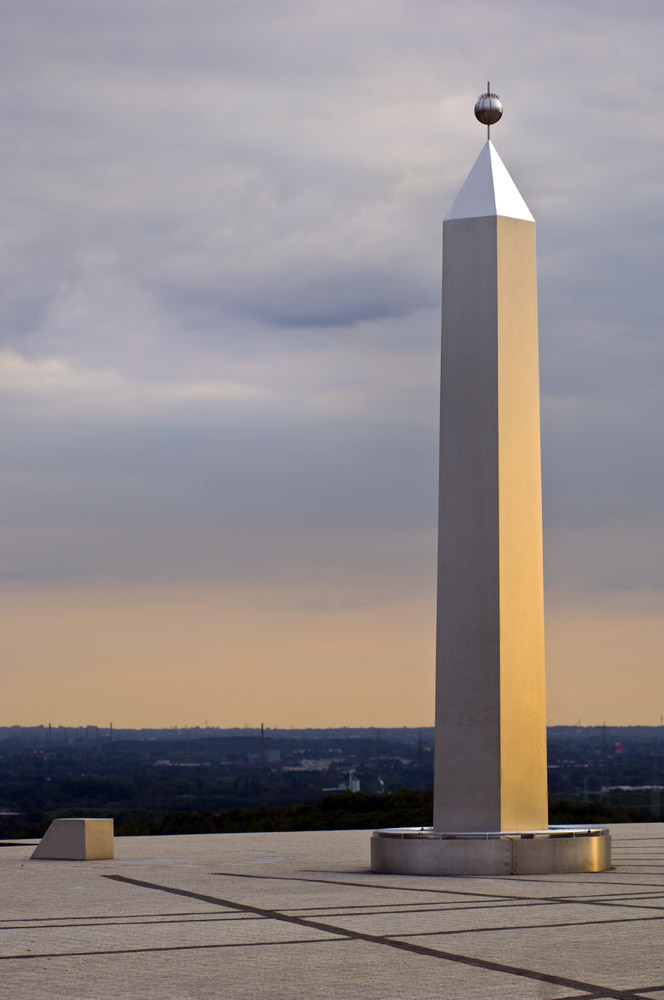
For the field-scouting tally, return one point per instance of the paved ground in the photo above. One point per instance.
(298, 915)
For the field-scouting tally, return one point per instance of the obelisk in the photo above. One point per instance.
(490, 769)
(490, 777)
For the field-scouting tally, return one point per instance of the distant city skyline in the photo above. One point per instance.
(219, 367)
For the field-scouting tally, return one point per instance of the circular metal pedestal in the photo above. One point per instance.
(424, 851)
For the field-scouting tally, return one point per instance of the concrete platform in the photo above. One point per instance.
(300, 915)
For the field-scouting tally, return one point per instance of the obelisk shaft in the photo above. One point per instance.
(490, 768)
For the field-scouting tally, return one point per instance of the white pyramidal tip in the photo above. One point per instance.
(489, 190)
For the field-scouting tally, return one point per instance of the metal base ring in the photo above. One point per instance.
(555, 850)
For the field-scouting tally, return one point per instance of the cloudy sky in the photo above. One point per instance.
(219, 322)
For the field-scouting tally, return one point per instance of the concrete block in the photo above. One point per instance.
(77, 840)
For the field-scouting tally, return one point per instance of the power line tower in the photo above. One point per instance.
(262, 755)
(606, 794)
(655, 806)
(419, 761)
(379, 762)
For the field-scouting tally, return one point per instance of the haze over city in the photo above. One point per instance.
(220, 347)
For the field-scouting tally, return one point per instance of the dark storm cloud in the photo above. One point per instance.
(332, 300)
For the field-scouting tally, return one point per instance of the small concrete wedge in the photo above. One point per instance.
(76, 839)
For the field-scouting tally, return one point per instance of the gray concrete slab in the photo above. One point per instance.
(291, 915)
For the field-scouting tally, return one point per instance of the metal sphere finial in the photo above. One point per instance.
(488, 109)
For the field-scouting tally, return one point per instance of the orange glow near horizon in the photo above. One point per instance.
(181, 657)
(153, 659)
